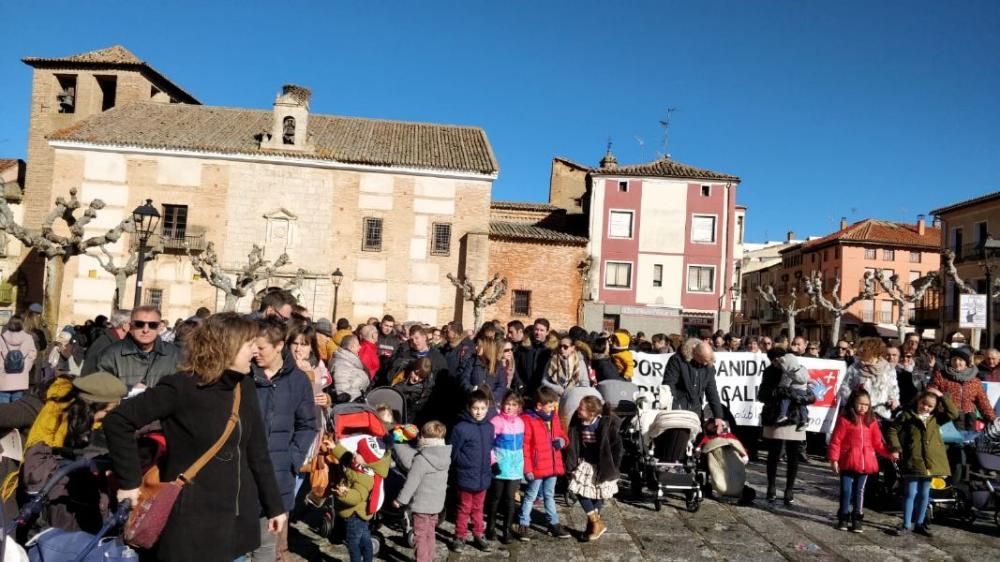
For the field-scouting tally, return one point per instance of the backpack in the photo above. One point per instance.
(13, 361)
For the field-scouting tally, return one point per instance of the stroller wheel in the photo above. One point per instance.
(326, 527)
(657, 504)
(693, 505)
(996, 518)
(411, 539)
(376, 544)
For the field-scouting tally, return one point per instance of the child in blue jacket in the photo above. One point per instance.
(471, 459)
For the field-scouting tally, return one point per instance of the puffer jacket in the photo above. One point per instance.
(853, 446)
(508, 446)
(349, 374)
(23, 342)
(967, 395)
(879, 382)
(369, 357)
(471, 453)
(426, 475)
(288, 409)
(541, 458)
(922, 451)
(360, 483)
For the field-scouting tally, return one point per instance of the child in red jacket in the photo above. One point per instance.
(544, 440)
(855, 441)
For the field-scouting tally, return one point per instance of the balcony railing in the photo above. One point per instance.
(970, 252)
(174, 242)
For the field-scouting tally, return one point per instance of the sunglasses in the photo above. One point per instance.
(140, 324)
(508, 350)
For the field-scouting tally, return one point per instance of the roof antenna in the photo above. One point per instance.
(642, 148)
(665, 125)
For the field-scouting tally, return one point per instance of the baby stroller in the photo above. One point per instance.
(351, 422)
(725, 459)
(391, 398)
(666, 462)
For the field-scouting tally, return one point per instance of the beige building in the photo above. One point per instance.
(396, 206)
(964, 227)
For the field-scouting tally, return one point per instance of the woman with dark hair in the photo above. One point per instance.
(303, 343)
(789, 438)
(486, 371)
(216, 518)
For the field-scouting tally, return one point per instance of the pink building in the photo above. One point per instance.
(661, 248)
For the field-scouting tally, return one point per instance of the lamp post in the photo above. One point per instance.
(988, 250)
(146, 218)
(336, 277)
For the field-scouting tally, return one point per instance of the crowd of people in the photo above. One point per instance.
(482, 429)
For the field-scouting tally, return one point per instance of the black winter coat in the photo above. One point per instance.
(609, 442)
(692, 385)
(288, 409)
(605, 369)
(217, 517)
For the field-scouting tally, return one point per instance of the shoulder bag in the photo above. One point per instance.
(156, 499)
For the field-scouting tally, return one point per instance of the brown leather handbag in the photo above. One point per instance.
(156, 499)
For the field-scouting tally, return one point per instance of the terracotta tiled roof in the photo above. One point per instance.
(523, 231)
(349, 140)
(663, 167)
(113, 57)
(873, 232)
(968, 202)
(523, 206)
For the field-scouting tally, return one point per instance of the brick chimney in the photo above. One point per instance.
(843, 223)
(790, 236)
(921, 225)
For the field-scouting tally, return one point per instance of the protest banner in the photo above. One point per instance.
(738, 376)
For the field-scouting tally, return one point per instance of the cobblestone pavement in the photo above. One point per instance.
(718, 531)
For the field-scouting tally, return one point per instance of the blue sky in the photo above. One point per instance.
(854, 108)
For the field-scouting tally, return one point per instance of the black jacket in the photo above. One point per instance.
(95, 349)
(126, 361)
(217, 517)
(532, 361)
(692, 385)
(609, 442)
(605, 369)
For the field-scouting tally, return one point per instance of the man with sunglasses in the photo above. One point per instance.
(141, 358)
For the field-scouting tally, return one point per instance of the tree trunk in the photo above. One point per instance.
(231, 300)
(120, 282)
(835, 330)
(901, 324)
(791, 325)
(54, 268)
(477, 314)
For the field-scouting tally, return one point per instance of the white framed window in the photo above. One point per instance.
(657, 275)
(617, 275)
(701, 278)
(915, 257)
(620, 224)
(889, 255)
(870, 254)
(703, 229)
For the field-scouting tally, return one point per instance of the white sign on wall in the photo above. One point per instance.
(972, 311)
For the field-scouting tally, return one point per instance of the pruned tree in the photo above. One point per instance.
(121, 273)
(492, 292)
(901, 297)
(789, 309)
(256, 269)
(836, 307)
(57, 249)
(294, 285)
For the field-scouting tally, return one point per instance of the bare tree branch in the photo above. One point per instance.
(256, 268)
(493, 290)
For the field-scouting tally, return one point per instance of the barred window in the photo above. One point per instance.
(154, 297)
(441, 239)
(372, 241)
(888, 255)
(520, 303)
(870, 253)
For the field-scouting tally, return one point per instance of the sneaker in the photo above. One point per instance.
(559, 532)
(789, 497)
(856, 526)
(457, 545)
(772, 495)
(842, 524)
(781, 420)
(923, 529)
(902, 531)
(523, 533)
(480, 544)
(800, 427)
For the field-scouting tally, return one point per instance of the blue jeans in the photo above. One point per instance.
(589, 504)
(852, 491)
(918, 495)
(548, 488)
(8, 397)
(358, 540)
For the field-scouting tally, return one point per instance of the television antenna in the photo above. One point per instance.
(665, 125)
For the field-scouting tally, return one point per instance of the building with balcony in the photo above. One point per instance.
(965, 226)
(662, 238)
(909, 251)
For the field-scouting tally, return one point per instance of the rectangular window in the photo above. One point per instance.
(372, 241)
(66, 98)
(706, 190)
(915, 257)
(617, 275)
(623, 186)
(441, 239)
(703, 229)
(957, 241)
(154, 297)
(657, 275)
(620, 224)
(739, 230)
(889, 255)
(868, 311)
(981, 231)
(109, 89)
(175, 221)
(701, 279)
(520, 303)
(870, 254)
(885, 312)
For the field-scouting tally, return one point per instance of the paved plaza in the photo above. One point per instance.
(762, 532)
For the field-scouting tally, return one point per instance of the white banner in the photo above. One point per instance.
(972, 311)
(738, 375)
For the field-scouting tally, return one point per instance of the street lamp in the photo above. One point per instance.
(145, 218)
(988, 249)
(337, 277)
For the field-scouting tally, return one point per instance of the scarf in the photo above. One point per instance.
(924, 418)
(50, 427)
(960, 376)
(872, 370)
(430, 442)
(563, 370)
